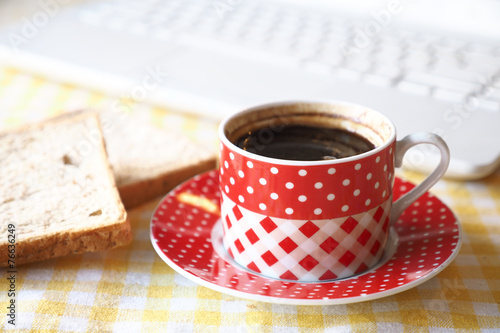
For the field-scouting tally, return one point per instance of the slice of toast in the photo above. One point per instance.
(148, 161)
(57, 194)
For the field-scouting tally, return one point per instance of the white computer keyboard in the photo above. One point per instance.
(213, 58)
(437, 67)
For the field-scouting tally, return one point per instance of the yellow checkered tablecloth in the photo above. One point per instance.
(131, 289)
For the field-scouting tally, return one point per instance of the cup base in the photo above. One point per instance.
(305, 250)
(217, 243)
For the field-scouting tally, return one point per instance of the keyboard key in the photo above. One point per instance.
(448, 95)
(414, 44)
(492, 93)
(402, 33)
(242, 51)
(387, 57)
(444, 69)
(488, 105)
(282, 36)
(303, 53)
(452, 43)
(495, 79)
(317, 68)
(479, 60)
(377, 80)
(281, 46)
(329, 58)
(414, 88)
(388, 49)
(416, 61)
(359, 65)
(390, 71)
(311, 33)
(428, 38)
(479, 48)
(348, 74)
(384, 41)
(440, 82)
(449, 56)
(305, 43)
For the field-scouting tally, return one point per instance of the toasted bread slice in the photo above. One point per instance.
(58, 195)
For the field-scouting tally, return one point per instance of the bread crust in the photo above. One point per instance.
(79, 239)
(138, 193)
(68, 242)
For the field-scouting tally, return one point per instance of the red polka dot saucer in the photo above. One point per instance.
(186, 232)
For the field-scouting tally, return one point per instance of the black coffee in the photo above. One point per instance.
(304, 143)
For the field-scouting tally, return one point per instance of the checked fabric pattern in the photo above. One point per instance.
(287, 248)
(130, 289)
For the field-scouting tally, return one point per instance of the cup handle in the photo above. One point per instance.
(402, 147)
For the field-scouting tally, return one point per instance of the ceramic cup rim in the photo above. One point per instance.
(271, 160)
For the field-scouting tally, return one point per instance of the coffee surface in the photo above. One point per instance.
(304, 143)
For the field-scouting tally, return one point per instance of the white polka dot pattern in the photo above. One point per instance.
(336, 189)
(186, 244)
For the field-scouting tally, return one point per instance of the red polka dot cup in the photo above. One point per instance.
(313, 220)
